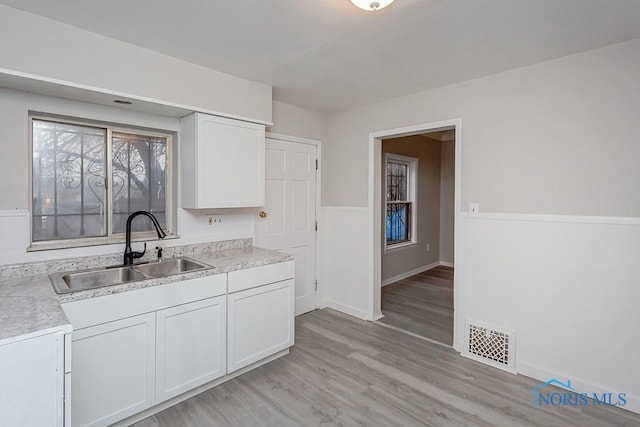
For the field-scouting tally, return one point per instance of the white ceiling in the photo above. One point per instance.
(328, 55)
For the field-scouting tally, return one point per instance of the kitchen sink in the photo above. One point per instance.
(90, 279)
(74, 281)
(169, 267)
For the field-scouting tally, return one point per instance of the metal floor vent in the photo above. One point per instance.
(491, 345)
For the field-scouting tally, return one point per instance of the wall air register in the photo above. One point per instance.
(494, 346)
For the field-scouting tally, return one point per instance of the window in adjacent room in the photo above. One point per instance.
(87, 179)
(400, 200)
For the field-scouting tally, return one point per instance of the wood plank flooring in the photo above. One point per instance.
(422, 304)
(347, 372)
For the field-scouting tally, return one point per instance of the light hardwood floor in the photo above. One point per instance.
(422, 304)
(347, 372)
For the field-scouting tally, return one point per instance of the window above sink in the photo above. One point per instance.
(87, 177)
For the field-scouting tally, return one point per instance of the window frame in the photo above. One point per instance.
(412, 191)
(110, 238)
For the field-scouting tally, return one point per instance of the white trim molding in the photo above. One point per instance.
(290, 138)
(344, 308)
(573, 219)
(14, 213)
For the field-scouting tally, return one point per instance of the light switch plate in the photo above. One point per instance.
(474, 208)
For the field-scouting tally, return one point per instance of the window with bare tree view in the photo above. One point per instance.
(400, 199)
(88, 179)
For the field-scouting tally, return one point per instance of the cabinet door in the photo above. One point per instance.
(113, 370)
(31, 382)
(230, 163)
(260, 323)
(191, 346)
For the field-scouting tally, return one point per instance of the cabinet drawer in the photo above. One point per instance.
(258, 276)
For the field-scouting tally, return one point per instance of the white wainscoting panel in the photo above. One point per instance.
(569, 287)
(343, 276)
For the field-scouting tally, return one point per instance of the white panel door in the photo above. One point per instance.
(260, 323)
(113, 370)
(191, 346)
(290, 205)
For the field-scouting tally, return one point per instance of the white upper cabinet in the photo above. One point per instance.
(222, 162)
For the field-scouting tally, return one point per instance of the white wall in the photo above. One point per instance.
(296, 121)
(14, 186)
(573, 118)
(558, 137)
(40, 46)
(569, 289)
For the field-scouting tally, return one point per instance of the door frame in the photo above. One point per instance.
(374, 303)
(318, 144)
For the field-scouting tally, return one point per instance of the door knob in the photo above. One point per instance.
(262, 214)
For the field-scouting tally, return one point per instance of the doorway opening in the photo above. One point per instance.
(417, 243)
(414, 193)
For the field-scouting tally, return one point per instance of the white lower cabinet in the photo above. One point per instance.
(113, 370)
(32, 375)
(191, 346)
(134, 350)
(260, 323)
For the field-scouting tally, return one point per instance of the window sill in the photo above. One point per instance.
(102, 241)
(399, 247)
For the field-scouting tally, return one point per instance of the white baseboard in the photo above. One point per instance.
(346, 309)
(410, 273)
(543, 375)
(446, 264)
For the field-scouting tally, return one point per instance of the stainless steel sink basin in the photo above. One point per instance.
(169, 267)
(83, 280)
(98, 278)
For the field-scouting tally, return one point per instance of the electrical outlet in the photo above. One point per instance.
(214, 220)
(474, 208)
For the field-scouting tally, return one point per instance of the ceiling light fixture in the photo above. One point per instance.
(372, 5)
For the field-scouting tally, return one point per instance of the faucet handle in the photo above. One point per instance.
(135, 254)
